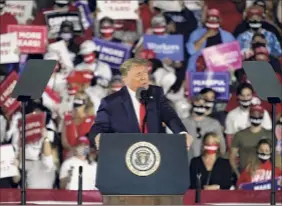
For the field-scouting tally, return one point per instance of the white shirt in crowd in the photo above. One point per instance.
(238, 119)
(72, 165)
(41, 174)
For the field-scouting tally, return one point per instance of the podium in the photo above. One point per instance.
(142, 169)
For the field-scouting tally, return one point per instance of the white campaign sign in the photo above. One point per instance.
(9, 52)
(117, 9)
(22, 10)
(6, 167)
(172, 5)
(61, 49)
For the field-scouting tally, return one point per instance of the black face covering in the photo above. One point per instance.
(200, 110)
(256, 121)
(258, 44)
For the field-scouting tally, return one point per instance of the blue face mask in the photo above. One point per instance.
(66, 36)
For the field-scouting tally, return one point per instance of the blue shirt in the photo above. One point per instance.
(195, 36)
(273, 44)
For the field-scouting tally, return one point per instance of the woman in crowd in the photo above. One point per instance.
(259, 167)
(212, 171)
(78, 122)
(70, 167)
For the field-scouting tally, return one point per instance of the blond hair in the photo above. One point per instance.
(89, 106)
(129, 63)
(212, 135)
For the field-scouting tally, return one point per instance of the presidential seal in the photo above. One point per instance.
(143, 158)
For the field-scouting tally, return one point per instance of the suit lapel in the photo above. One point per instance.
(128, 105)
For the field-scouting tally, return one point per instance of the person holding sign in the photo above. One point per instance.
(105, 30)
(259, 167)
(6, 18)
(209, 35)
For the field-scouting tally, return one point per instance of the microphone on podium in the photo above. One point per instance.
(79, 194)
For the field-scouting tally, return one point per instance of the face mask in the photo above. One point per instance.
(212, 25)
(209, 104)
(245, 103)
(256, 121)
(159, 30)
(211, 149)
(61, 3)
(107, 32)
(73, 90)
(258, 44)
(199, 110)
(263, 157)
(255, 25)
(82, 151)
(66, 36)
(90, 58)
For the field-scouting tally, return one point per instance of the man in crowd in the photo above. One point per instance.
(123, 112)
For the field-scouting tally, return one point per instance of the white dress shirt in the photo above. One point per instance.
(135, 102)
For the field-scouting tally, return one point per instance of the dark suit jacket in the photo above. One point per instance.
(116, 114)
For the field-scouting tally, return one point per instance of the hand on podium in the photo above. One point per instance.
(97, 141)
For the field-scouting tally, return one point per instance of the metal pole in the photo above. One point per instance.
(273, 185)
(23, 191)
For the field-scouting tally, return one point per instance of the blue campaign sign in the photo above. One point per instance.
(263, 185)
(218, 81)
(112, 53)
(165, 46)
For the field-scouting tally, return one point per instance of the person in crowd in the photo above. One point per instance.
(116, 84)
(41, 173)
(105, 29)
(101, 71)
(78, 122)
(213, 171)
(66, 33)
(259, 166)
(211, 103)
(70, 168)
(209, 35)
(198, 124)
(244, 26)
(244, 141)
(110, 117)
(238, 118)
(11, 182)
(6, 18)
(146, 13)
(62, 6)
(254, 18)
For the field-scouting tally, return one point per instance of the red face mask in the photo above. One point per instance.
(89, 58)
(211, 148)
(72, 90)
(160, 30)
(107, 32)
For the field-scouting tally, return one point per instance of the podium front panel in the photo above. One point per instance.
(138, 164)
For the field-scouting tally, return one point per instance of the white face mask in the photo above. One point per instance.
(82, 151)
(263, 156)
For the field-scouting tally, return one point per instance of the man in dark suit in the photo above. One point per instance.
(122, 112)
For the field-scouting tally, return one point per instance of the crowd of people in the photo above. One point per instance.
(232, 139)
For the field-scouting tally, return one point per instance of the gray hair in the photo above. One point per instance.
(129, 63)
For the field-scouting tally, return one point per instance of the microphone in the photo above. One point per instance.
(142, 94)
(198, 189)
(79, 194)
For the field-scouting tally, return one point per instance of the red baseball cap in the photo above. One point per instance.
(257, 108)
(82, 140)
(80, 77)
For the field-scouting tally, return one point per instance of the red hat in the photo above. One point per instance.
(147, 54)
(254, 11)
(82, 140)
(257, 108)
(213, 12)
(80, 77)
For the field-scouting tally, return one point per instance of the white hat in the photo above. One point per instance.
(51, 56)
(87, 47)
(164, 79)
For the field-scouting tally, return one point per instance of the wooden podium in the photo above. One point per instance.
(142, 199)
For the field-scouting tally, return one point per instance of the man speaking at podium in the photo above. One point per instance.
(136, 108)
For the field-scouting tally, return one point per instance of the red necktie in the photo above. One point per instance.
(142, 113)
